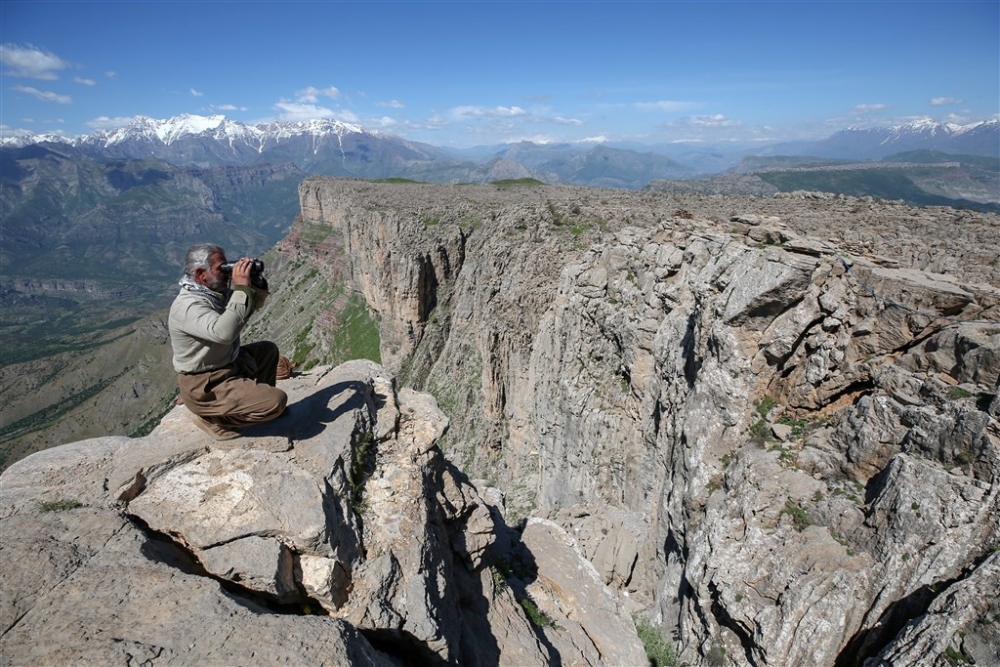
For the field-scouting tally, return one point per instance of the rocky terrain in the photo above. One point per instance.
(338, 534)
(767, 426)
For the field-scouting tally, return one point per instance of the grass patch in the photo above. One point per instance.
(302, 347)
(362, 453)
(758, 432)
(499, 580)
(798, 426)
(59, 505)
(766, 405)
(469, 222)
(357, 336)
(956, 657)
(800, 518)
(659, 649)
(537, 617)
(786, 456)
(508, 183)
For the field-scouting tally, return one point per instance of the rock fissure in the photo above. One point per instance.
(170, 550)
(725, 620)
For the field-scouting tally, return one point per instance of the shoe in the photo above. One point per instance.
(217, 432)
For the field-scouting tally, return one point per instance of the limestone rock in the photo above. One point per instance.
(624, 382)
(353, 542)
(572, 593)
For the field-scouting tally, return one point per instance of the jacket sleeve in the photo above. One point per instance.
(225, 327)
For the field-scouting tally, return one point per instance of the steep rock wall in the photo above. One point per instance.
(768, 421)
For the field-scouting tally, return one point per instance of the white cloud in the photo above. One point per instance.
(311, 94)
(541, 139)
(865, 108)
(111, 74)
(347, 116)
(436, 122)
(196, 93)
(943, 101)
(717, 120)
(8, 131)
(31, 62)
(559, 120)
(85, 82)
(105, 123)
(666, 105)
(392, 104)
(227, 107)
(43, 95)
(466, 112)
(712, 129)
(298, 111)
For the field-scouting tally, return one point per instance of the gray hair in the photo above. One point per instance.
(198, 257)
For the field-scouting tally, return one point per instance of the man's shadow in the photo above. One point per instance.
(311, 415)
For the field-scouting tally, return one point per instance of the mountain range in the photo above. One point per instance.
(334, 148)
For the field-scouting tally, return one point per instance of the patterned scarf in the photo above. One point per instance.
(219, 300)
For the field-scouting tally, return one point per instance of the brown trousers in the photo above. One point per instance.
(240, 393)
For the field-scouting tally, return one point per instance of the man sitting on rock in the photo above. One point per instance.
(223, 383)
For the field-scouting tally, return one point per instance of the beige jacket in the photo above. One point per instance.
(204, 331)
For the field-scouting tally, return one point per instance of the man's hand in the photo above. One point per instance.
(241, 272)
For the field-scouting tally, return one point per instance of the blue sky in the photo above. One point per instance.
(469, 73)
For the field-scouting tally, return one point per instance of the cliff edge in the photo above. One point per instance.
(337, 534)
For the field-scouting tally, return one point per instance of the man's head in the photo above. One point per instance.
(202, 266)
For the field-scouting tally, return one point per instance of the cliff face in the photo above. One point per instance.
(772, 423)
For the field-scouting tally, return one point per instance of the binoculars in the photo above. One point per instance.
(257, 278)
(257, 268)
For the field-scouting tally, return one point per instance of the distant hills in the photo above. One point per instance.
(334, 148)
(921, 178)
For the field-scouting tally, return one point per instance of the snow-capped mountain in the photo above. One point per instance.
(335, 148)
(221, 129)
(874, 143)
(315, 146)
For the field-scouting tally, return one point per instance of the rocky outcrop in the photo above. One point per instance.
(771, 423)
(337, 534)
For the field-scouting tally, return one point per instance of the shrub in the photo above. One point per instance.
(536, 615)
(59, 505)
(800, 518)
(659, 650)
(765, 406)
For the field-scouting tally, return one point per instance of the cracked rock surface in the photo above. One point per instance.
(338, 534)
(770, 423)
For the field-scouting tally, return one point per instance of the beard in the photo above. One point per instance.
(218, 284)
